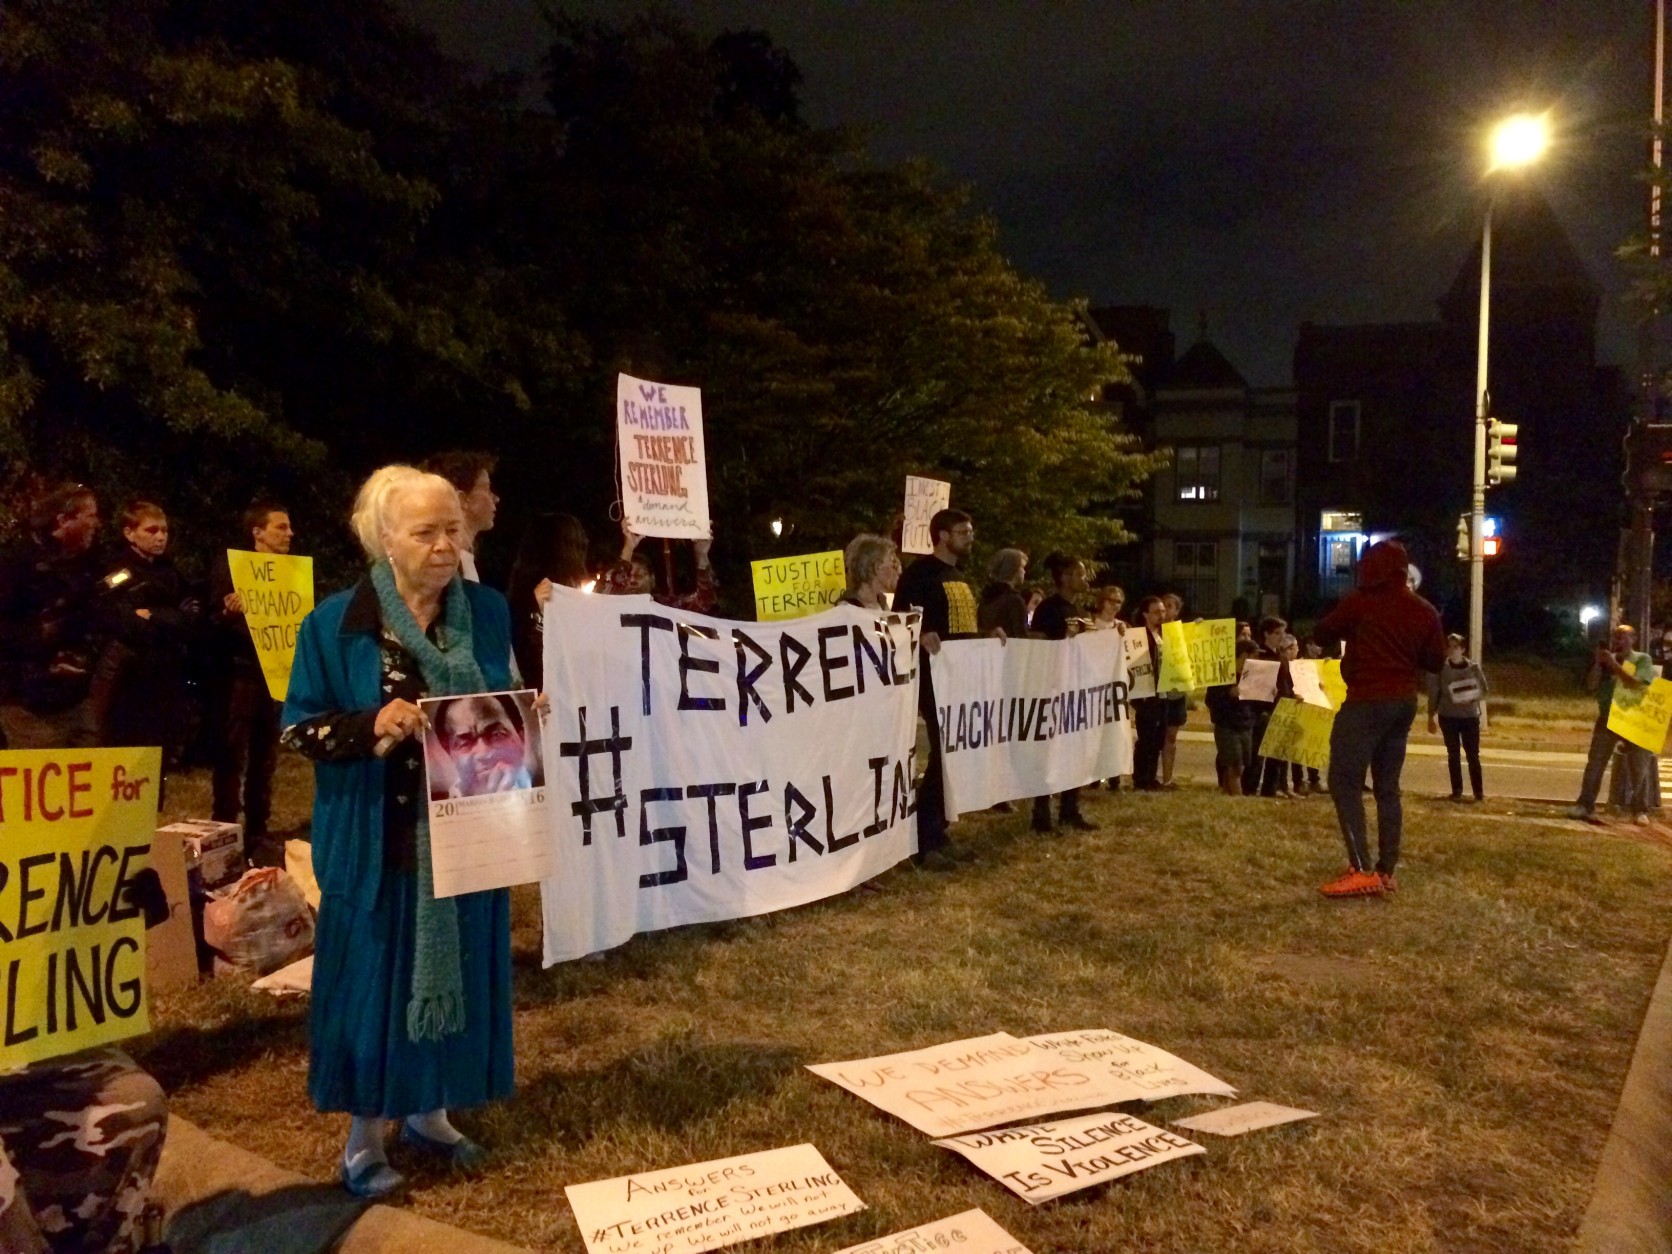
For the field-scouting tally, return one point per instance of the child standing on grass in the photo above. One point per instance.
(1456, 697)
(1233, 727)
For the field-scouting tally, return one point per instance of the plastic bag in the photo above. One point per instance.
(259, 924)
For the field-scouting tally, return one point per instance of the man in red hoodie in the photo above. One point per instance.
(1391, 635)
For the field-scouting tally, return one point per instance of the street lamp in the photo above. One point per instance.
(1517, 142)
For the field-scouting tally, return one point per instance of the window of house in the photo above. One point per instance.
(1195, 575)
(1275, 476)
(1196, 471)
(1343, 431)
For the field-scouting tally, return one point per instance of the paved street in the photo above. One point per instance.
(1509, 772)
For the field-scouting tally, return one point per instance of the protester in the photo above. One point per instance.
(872, 566)
(1287, 780)
(1057, 618)
(243, 712)
(471, 474)
(1149, 714)
(151, 616)
(1233, 727)
(1245, 631)
(411, 1002)
(1002, 604)
(1177, 705)
(1619, 664)
(934, 585)
(80, 1139)
(634, 574)
(1272, 631)
(1456, 697)
(1391, 633)
(1106, 616)
(49, 638)
(553, 551)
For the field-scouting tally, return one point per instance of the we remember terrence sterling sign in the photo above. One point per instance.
(664, 470)
(75, 828)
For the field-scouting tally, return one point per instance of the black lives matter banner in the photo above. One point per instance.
(1022, 718)
(75, 829)
(707, 769)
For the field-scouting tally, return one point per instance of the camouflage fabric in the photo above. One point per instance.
(80, 1137)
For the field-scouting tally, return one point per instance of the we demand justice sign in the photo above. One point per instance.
(707, 769)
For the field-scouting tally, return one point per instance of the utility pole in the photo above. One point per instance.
(1641, 487)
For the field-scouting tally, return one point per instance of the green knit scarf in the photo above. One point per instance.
(448, 665)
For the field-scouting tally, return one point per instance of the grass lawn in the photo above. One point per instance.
(1465, 1040)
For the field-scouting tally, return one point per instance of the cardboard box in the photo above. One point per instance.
(214, 850)
(171, 947)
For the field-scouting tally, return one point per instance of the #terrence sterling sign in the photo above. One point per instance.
(1022, 718)
(706, 770)
(664, 471)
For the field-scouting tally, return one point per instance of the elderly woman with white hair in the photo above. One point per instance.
(411, 1004)
(872, 565)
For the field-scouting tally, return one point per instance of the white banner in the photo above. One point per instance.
(664, 470)
(1022, 718)
(705, 769)
(490, 821)
(1046, 1160)
(972, 1232)
(706, 1206)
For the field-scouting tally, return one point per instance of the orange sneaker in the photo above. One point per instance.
(1354, 884)
(1389, 884)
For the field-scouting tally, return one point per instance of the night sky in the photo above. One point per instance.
(1258, 163)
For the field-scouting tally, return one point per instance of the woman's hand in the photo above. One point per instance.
(931, 643)
(542, 592)
(542, 705)
(398, 719)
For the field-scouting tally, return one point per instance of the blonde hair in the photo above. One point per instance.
(374, 503)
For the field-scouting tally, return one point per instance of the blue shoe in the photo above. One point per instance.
(374, 1181)
(464, 1153)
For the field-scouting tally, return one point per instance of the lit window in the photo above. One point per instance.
(1196, 471)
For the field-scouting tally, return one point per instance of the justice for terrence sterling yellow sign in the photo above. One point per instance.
(277, 592)
(75, 829)
(1641, 715)
(790, 587)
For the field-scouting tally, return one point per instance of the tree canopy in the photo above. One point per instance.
(270, 245)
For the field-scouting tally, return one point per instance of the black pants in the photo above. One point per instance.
(1150, 717)
(1253, 775)
(931, 789)
(246, 753)
(1068, 807)
(1464, 734)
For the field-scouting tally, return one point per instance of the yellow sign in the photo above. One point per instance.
(1641, 715)
(277, 592)
(1329, 679)
(75, 829)
(1176, 676)
(1298, 732)
(792, 587)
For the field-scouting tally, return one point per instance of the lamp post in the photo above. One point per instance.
(1517, 141)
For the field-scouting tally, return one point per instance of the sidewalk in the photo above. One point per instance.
(1418, 749)
(220, 1199)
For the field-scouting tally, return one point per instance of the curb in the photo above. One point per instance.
(220, 1199)
(1630, 1211)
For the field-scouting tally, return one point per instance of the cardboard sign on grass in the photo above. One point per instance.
(664, 469)
(75, 829)
(706, 1206)
(1046, 1160)
(976, 1083)
(1143, 1070)
(1641, 715)
(1248, 1117)
(972, 1232)
(277, 590)
(793, 587)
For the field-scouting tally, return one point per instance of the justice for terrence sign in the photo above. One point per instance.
(1022, 718)
(75, 828)
(706, 770)
(664, 471)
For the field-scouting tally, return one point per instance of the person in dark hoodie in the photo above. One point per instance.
(1002, 604)
(1391, 635)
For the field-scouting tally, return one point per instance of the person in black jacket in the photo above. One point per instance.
(1233, 728)
(244, 713)
(1058, 618)
(149, 614)
(1002, 605)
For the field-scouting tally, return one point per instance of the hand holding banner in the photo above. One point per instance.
(664, 469)
(277, 590)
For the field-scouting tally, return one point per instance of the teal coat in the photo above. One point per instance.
(338, 669)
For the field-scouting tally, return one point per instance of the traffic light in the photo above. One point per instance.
(1500, 452)
(1462, 537)
(1491, 546)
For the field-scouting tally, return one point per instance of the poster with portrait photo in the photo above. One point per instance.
(484, 765)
